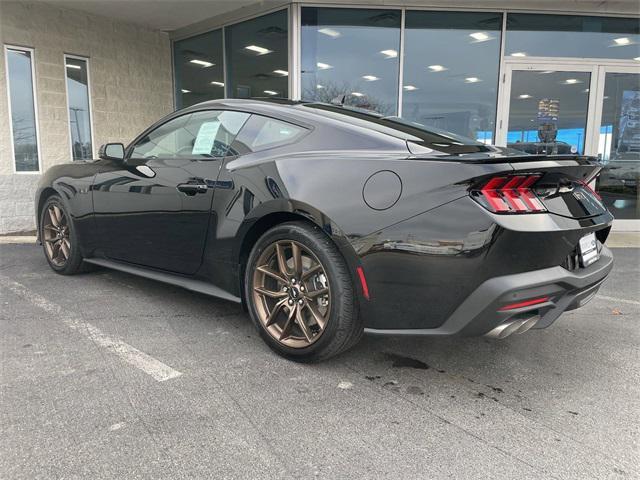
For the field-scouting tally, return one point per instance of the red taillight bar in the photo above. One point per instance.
(511, 194)
(525, 303)
(363, 283)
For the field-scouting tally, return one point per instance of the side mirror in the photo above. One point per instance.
(112, 151)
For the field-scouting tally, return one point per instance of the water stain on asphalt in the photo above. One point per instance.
(413, 390)
(400, 361)
(482, 395)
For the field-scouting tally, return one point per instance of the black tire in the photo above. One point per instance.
(343, 326)
(74, 263)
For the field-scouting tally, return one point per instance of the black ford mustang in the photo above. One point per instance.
(326, 222)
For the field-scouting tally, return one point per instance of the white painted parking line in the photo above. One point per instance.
(620, 300)
(149, 365)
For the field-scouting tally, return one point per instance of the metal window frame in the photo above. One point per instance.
(89, 98)
(34, 93)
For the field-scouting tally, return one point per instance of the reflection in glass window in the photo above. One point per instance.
(199, 70)
(451, 71)
(198, 135)
(572, 36)
(23, 117)
(352, 52)
(548, 111)
(257, 57)
(619, 145)
(79, 108)
(261, 133)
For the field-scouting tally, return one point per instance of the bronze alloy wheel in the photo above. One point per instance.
(55, 235)
(291, 294)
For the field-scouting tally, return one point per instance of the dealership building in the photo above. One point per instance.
(540, 76)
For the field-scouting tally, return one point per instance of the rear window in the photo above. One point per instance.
(261, 133)
(413, 132)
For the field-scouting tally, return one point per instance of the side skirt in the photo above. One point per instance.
(187, 283)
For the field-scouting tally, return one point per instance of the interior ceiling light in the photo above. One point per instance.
(637, 59)
(524, 95)
(480, 36)
(437, 68)
(283, 73)
(218, 84)
(389, 53)
(202, 63)
(472, 80)
(410, 88)
(571, 81)
(586, 90)
(75, 67)
(323, 66)
(622, 41)
(370, 78)
(518, 54)
(270, 92)
(259, 50)
(330, 32)
(319, 87)
(357, 94)
(184, 90)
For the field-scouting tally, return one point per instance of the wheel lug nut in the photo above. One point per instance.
(300, 302)
(294, 281)
(285, 289)
(302, 288)
(290, 302)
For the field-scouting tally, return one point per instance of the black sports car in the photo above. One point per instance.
(326, 221)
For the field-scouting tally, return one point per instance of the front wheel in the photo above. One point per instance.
(59, 239)
(300, 294)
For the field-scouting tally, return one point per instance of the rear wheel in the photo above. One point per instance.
(300, 294)
(59, 238)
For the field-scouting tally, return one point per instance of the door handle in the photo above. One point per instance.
(193, 188)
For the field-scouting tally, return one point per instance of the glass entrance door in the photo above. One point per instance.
(546, 108)
(618, 146)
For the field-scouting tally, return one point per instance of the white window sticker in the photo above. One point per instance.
(206, 136)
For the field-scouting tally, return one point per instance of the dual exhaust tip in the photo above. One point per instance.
(519, 325)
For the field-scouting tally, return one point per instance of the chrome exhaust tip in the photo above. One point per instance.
(510, 327)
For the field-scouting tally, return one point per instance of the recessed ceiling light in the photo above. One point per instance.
(323, 66)
(637, 59)
(202, 63)
(524, 95)
(410, 88)
(259, 50)
(622, 41)
(184, 90)
(370, 78)
(319, 87)
(518, 54)
(480, 36)
(586, 90)
(218, 84)
(357, 94)
(75, 67)
(389, 53)
(606, 97)
(330, 32)
(283, 73)
(270, 92)
(571, 81)
(472, 80)
(437, 68)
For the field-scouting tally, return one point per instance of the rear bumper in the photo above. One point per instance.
(480, 312)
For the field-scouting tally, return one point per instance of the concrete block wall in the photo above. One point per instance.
(130, 86)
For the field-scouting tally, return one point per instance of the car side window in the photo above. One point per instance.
(261, 133)
(199, 135)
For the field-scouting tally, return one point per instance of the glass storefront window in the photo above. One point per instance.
(257, 57)
(198, 67)
(572, 36)
(451, 71)
(20, 83)
(548, 111)
(77, 76)
(351, 52)
(619, 145)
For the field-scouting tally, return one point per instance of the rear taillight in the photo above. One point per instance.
(509, 194)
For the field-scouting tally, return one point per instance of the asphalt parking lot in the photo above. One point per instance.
(106, 375)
